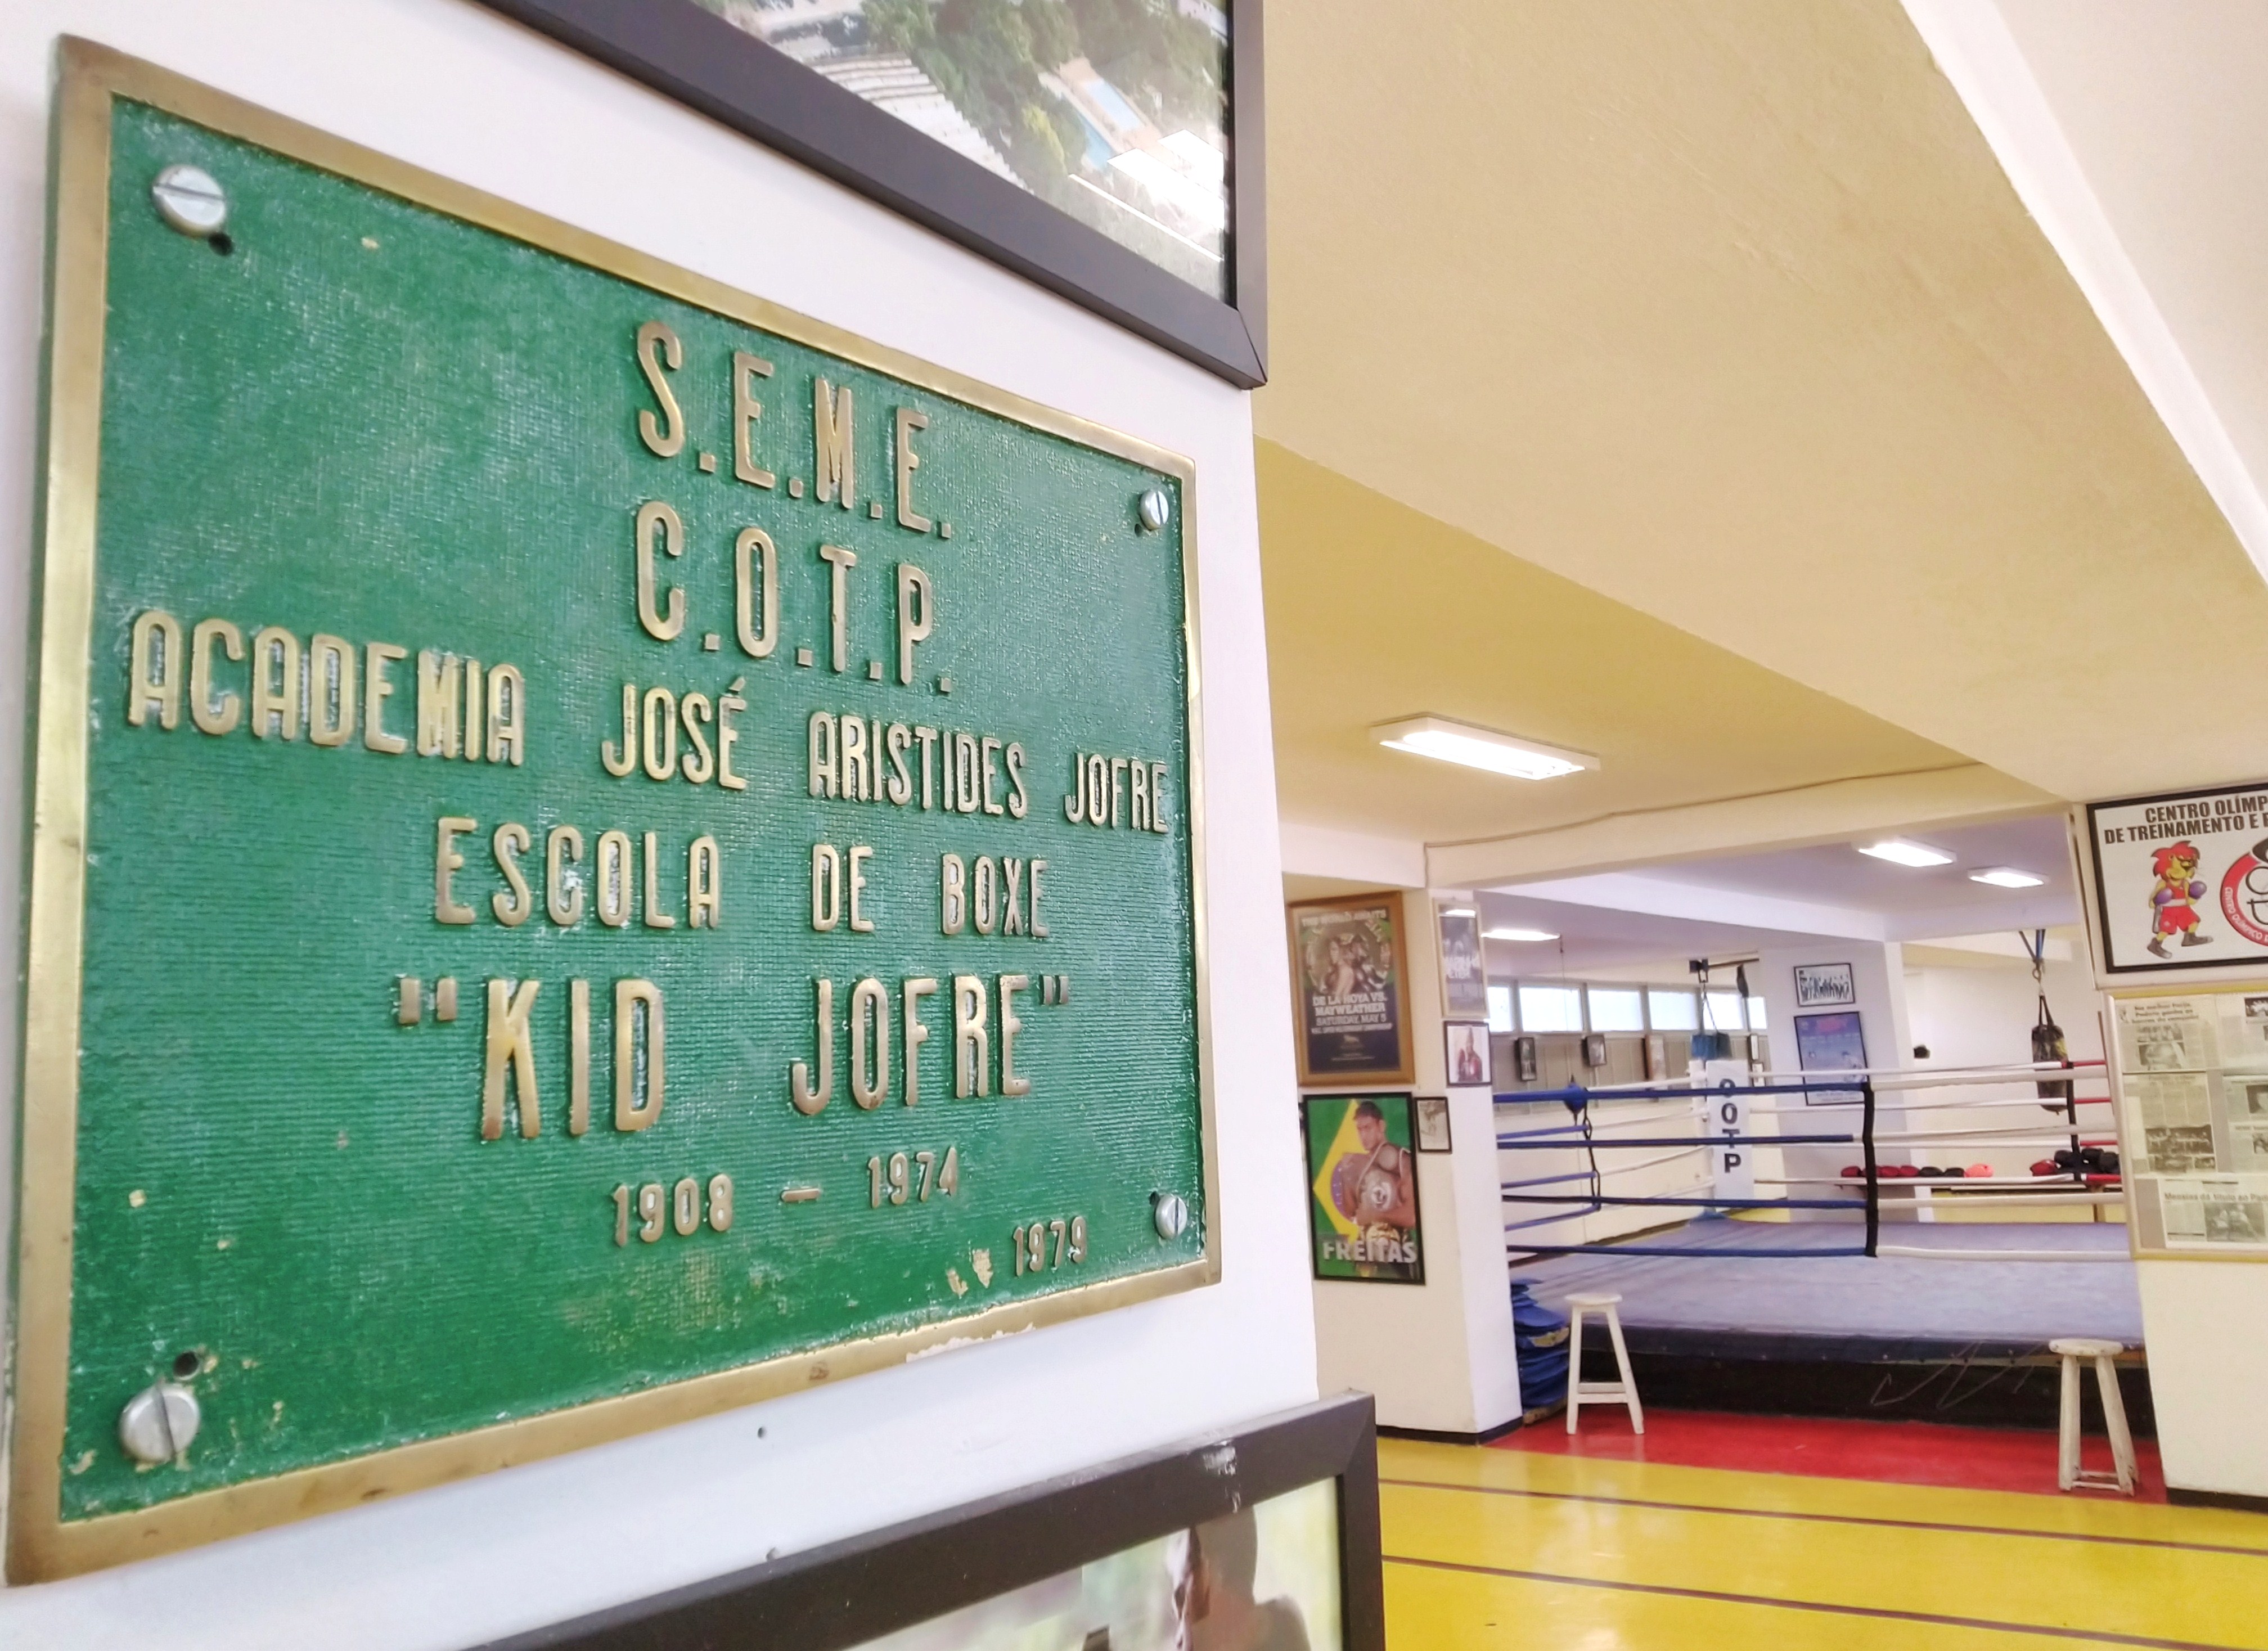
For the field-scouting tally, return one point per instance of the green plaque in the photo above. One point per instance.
(601, 851)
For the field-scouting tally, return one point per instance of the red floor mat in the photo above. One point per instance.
(1897, 1453)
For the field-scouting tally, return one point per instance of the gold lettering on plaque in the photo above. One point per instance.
(213, 716)
(972, 1042)
(839, 561)
(438, 677)
(276, 684)
(801, 1093)
(507, 716)
(516, 906)
(447, 861)
(661, 624)
(909, 461)
(916, 615)
(509, 1046)
(331, 702)
(915, 989)
(156, 677)
(745, 411)
(1012, 1083)
(579, 1057)
(638, 1005)
(611, 872)
(377, 688)
(563, 897)
(870, 1029)
(663, 441)
(705, 889)
(757, 644)
(832, 448)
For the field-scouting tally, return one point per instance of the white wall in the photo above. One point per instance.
(1983, 1016)
(1437, 1356)
(460, 90)
(2206, 1324)
(1878, 976)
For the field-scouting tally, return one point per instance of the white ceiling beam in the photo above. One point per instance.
(1976, 52)
(1666, 897)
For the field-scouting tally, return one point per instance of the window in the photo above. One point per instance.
(1617, 1009)
(1724, 1011)
(1550, 1009)
(1672, 1011)
(1499, 1008)
(1756, 1015)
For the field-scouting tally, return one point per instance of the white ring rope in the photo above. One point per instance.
(1917, 1252)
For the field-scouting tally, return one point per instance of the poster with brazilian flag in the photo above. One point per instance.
(1362, 1188)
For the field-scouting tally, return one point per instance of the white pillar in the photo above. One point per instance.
(1439, 1356)
(1877, 979)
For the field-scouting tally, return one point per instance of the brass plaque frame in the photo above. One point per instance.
(40, 1544)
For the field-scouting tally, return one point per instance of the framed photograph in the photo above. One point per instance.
(1169, 1548)
(1351, 974)
(1821, 984)
(1362, 1188)
(1831, 1043)
(1525, 1065)
(1110, 152)
(1464, 965)
(1432, 1114)
(1657, 1057)
(1594, 1050)
(1467, 1059)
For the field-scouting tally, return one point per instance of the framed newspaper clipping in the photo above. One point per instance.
(2190, 1075)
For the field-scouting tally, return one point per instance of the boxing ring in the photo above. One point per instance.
(1831, 1291)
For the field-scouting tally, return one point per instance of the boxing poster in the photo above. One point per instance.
(1362, 1188)
(1349, 973)
(2181, 882)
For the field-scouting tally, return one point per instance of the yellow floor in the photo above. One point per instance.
(1490, 1548)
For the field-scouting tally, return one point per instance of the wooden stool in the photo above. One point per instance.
(2069, 1477)
(1621, 1391)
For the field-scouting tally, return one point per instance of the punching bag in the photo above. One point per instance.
(2048, 1044)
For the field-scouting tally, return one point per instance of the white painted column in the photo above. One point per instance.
(1878, 974)
(1439, 1356)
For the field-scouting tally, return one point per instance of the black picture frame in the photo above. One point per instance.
(1476, 1038)
(1427, 1112)
(844, 1594)
(1396, 1107)
(734, 79)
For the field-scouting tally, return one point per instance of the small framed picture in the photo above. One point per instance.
(1432, 1115)
(1524, 1063)
(1657, 1057)
(1594, 1050)
(1467, 1058)
(1818, 984)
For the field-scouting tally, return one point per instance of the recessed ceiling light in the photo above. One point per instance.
(1459, 912)
(1480, 747)
(1899, 851)
(2006, 877)
(1517, 935)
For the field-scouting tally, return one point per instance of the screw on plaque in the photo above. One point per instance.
(158, 1423)
(1156, 510)
(191, 200)
(1170, 1212)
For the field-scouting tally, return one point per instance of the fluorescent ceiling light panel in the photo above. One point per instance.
(1898, 851)
(2006, 877)
(1517, 935)
(1483, 748)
